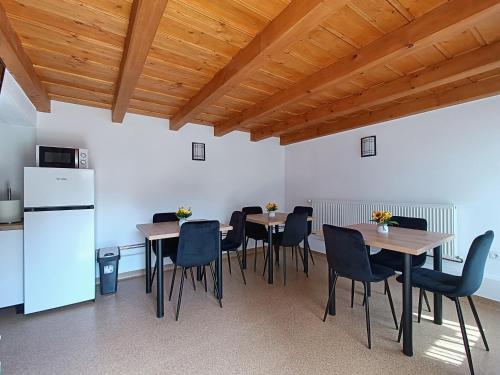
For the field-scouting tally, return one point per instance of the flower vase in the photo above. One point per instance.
(382, 228)
(272, 213)
(182, 221)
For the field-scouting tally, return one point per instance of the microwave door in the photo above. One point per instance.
(57, 157)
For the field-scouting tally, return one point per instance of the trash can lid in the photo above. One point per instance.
(107, 252)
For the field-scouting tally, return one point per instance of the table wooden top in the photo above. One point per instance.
(169, 229)
(265, 219)
(402, 240)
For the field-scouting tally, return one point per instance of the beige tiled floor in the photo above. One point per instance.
(262, 329)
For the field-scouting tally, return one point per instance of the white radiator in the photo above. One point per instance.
(440, 217)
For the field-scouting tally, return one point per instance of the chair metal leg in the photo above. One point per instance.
(241, 267)
(205, 277)
(386, 286)
(192, 278)
(255, 257)
(427, 302)
(367, 313)
(420, 296)
(311, 255)
(385, 289)
(265, 264)
(464, 335)
(228, 261)
(352, 294)
(284, 265)
(172, 282)
(332, 293)
(296, 258)
(180, 294)
(478, 322)
(400, 328)
(216, 288)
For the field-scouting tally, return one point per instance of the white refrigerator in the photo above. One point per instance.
(59, 245)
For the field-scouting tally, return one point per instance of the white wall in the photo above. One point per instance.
(17, 136)
(450, 155)
(142, 168)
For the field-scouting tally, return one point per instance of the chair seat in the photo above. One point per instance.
(380, 273)
(228, 245)
(388, 259)
(434, 281)
(170, 246)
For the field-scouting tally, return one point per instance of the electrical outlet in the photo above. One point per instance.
(493, 255)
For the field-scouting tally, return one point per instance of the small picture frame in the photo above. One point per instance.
(198, 151)
(368, 146)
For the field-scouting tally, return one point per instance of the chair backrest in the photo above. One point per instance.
(346, 252)
(254, 230)
(473, 271)
(412, 223)
(295, 229)
(162, 217)
(309, 211)
(199, 243)
(238, 223)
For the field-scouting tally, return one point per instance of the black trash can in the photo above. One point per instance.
(108, 269)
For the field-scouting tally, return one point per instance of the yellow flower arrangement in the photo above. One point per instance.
(271, 206)
(183, 213)
(382, 218)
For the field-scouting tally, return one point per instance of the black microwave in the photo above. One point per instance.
(61, 157)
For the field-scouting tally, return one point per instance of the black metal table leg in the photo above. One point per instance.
(407, 307)
(244, 251)
(306, 255)
(159, 280)
(331, 307)
(276, 249)
(219, 267)
(199, 274)
(438, 298)
(147, 254)
(270, 250)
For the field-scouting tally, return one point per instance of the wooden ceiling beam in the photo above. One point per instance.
(296, 19)
(145, 17)
(473, 91)
(440, 23)
(20, 66)
(472, 63)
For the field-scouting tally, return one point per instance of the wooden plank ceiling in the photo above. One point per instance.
(292, 69)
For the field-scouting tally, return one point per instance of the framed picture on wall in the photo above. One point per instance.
(368, 146)
(2, 74)
(198, 151)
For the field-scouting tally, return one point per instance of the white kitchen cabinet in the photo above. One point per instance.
(11, 267)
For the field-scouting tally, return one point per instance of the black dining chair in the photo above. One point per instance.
(199, 246)
(456, 287)
(169, 245)
(309, 211)
(291, 237)
(234, 239)
(394, 260)
(347, 257)
(254, 231)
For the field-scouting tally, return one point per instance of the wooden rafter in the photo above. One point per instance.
(442, 22)
(144, 20)
(299, 17)
(477, 90)
(20, 66)
(475, 62)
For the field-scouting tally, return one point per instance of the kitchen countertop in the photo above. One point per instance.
(13, 226)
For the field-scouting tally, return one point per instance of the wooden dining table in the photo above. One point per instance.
(158, 232)
(273, 223)
(409, 242)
